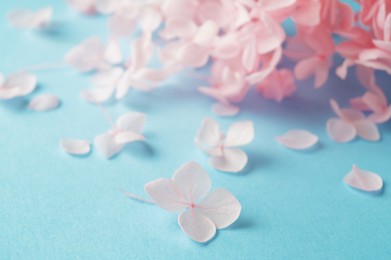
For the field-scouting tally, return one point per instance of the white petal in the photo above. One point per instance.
(132, 121)
(221, 207)
(193, 180)
(106, 145)
(209, 133)
(23, 82)
(113, 52)
(363, 180)
(340, 131)
(367, 130)
(221, 109)
(44, 102)
(74, 146)
(166, 194)
(240, 133)
(197, 226)
(128, 137)
(298, 139)
(206, 34)
(26, 19)
(94, 95)
(233, 160)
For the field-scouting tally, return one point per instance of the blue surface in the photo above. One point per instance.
(295, 205)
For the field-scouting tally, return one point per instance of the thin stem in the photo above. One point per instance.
(104, 112)
(132, 196)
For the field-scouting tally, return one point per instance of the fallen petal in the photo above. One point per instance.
(44, 102)
(363, 180)
(232, 160)
(197, 226)
(341, 131)
(74, 146)
(221, 109)
(298, 139)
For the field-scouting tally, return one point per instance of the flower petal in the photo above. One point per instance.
(166, 194)
(132, 121)
(363, 180)
(222, 109)
(128, 137)
(197, 226)
(221, 207)
(44, 102)
(23, 82)
(367, 130)
(240, 133)
(341, 131)
(209, 134)
(193, 180)
(298, 139)
(106, 145)
(74, 146)
(232, 160)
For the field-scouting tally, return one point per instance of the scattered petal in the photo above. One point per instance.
(232, 160)
(363, 180)
(197, 226)
(298, 139)
(44, 102)
(341, 131)
(222, 109)
(75, 146)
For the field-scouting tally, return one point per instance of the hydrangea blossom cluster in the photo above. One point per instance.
(244, 42)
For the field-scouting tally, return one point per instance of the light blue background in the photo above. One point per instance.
(295, 205)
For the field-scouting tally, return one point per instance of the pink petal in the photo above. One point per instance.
(222, 109)
(132, 121)
(367, 130)
(99, 94)
(193, 181)
(26, 19)
(206, 34)
(106, 145)
(106, 6)
(298, 139)
(107, 77)
(193, 55)
(86, 56)
(128, 137)
(272, 35)
(306, 68)
(122, 23)
(23, 82)
(240, 133)
(341, 131)
(166, 194)
(221, 207)
(83, 6)
(44, 102)
(150, 19)
(307, 12)
(209, 133)
(197, 226)
(113, 53)
(363, 180)
(232, 160)
(74, 146)
(380, 118)
(178, 27)
(249, 56)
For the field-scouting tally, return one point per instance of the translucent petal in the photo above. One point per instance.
(132, 121)
(44, 102)
(232, 160)
(166, 194)
(367, 130)
(221, 207)
(363, 180)
(193, 180)
(298, 139)
(239, 133)
(341, 131)
(197, 226)
(106, 145)
(209, 134)
(75, 146)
